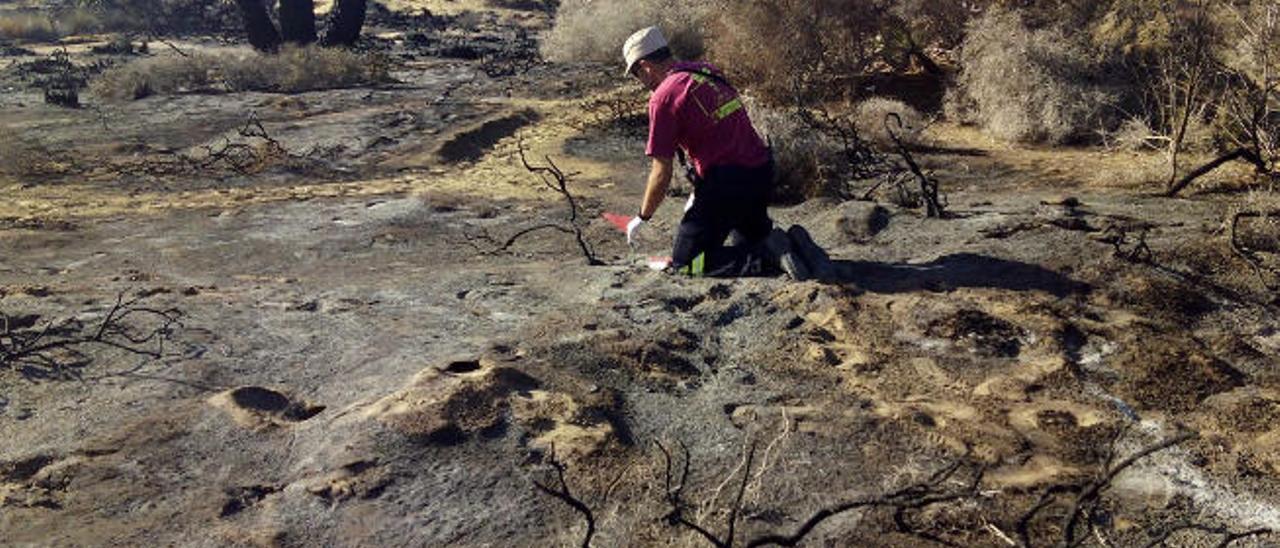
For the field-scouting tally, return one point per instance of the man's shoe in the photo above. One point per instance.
(820, 265)
(778, 246)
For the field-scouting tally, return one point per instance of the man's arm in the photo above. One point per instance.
(656, 190)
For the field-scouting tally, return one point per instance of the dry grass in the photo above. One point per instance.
(156, 76)
(594, 30)
(23, 159)
(37, 27)
(293, 70)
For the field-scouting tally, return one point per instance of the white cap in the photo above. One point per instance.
(642, 43)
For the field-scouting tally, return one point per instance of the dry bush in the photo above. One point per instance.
(78, 21)
(930, 21)
(1135, 134)
(290, 71)
(297, 69)
(594, 30)
(156, 76)
(801, 156)
(163, 17)
(38, 27)
(1251, 117)
(28, 27)
(1031, 86)
(793, 51)
(819, 154)
(22, 159)
(871, 115)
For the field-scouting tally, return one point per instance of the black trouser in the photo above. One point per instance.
(728, 199)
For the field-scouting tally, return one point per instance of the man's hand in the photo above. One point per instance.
(633, 231)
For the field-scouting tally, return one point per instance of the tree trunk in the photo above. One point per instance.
(1240, 153)
(257, 22)
(298, 21)
(344, 23)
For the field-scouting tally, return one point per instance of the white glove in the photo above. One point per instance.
(689, 204)
(633, 231)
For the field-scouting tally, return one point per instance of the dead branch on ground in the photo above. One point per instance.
(1238, 154)
(1228, 537)
(250, 150)
(57, 349)
(561, 492)
(1249, 256)
(904, 502)
(1088, 495)
(934, 203)
(1119, 237)
(556, 180)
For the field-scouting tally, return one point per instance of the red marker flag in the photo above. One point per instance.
(620, 221)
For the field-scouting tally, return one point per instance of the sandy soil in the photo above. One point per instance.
(357, 367)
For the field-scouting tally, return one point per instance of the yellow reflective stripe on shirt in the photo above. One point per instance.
(728, 108)
(701, 78)
(724, 110)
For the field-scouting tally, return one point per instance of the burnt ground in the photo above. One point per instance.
(358, 365)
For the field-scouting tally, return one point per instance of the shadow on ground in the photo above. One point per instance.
(958, 270)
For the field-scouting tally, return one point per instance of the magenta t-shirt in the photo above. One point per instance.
(704, 117)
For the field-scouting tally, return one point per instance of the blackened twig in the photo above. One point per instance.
(564, 495)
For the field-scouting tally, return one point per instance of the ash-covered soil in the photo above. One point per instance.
(358, 364)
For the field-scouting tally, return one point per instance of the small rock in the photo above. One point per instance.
(24, 414)
(861, 221)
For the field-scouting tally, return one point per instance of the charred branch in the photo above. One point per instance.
(1228, 537)
(934, 204)
(555, 179)
(249, 149)
(560, 491)
(1133, 249)
(1248, 255)
(58, 348)
(904, 503)
(1087, 494)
